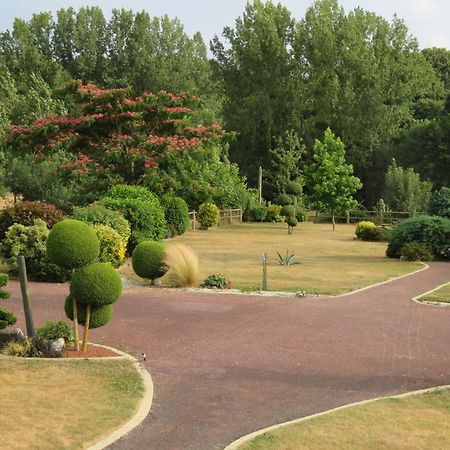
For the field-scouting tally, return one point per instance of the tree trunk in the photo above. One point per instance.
(75, 324)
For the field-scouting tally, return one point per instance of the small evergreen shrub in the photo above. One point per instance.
(440, 203)
(72, 244)
(30, 241)
(96, 284)
(294, 188)
(360, 226)
(96, 214)
(208, 215)
(215, 281)
(182, 264)
(300, 214)
(7, 318)
(292, 221)
(259, 213)
(52, 331)
(176, 213)
(273, 213)
(432, 231)
(112, 248)
(284, 200)
(252, 202)
(416, 251)
(376, 234)
(148, 260)
(100, 315)
(25, 213)
(288, 211)
(4, 280)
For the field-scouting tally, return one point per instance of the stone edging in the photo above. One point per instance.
(144, 405)
(248, 437)
(417, 298)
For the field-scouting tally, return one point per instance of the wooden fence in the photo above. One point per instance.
(227, 217)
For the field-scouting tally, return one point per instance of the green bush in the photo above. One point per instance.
(72, 244)
(416, 251)
(259, 213)
(288, 211)
(96, 284)
(112, 248)
(4, 280)
(252, 202)
(294, 188)
(284, 200)
(25, 213)
(142, 210)
(148, 260)
(432, 231)
(292, 221)
(300, 214)
(176, 213)
(440, 203)
(273, 213)
(377, 234)
(30, 241)
(100, 315)
(360, 226)
(215, 281)
(208, 215)
(7, 318)
(100, 215)
(52, 331)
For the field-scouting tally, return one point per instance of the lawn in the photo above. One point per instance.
(332, 262)
(441, 295)
(415, 422)
(64, 404)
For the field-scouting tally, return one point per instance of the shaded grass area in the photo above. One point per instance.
(416, 422)
(332, 262)
(441, 295)
(64, 404)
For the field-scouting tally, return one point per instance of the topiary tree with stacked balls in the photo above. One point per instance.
(148, 260)
(72, 244)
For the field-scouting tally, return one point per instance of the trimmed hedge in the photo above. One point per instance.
(360, 226)
(100, 315)
(72, 244)
(96, 284)
(288, 211)
(100, 215)
(208, 215)
(176, 213)
(293, 188)
(375, 234)
(26, 213)
(432, 231)
(148, 260)
(112, 248)
(284, 200)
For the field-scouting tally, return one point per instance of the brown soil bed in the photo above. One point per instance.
(91, 352)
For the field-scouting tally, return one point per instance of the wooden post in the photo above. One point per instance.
(260, 185)
(193, 222)
(240, 215)
(231, 216)
(86, 327)
(264, 276)
(348, 217)
(25, 296)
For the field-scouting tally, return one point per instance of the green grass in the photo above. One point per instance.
(65, 404)
(332, 262)
(441, 295)
(416, 422)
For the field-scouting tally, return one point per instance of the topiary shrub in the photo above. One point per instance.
(30, 241)
(376, 234)
(416, 251)
(259, 213)
(96, 214)
(96, 284)
(432, 231)
(360, 226)
(112, 248)
(291, 222)
(25, 213)
(440, 203)
(4, 280)
(294, 188)
(142, 210)
(284, 200)
(208, 215)
(72, 244)
(288, 211)
(215, 281)
(7, 318)
(176, 213)
(99, 315)
(148, 260)
(273, 213)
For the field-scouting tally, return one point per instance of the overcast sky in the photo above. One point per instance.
(428, 20)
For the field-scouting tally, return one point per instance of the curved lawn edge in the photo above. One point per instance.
(417, 298)
(144, 405)
(248, 437)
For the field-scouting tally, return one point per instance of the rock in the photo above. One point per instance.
(156, 283)
(57, 346)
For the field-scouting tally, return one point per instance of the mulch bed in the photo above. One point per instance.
(91, 352)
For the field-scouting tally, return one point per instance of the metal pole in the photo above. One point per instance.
(25, 296)
(264, 278)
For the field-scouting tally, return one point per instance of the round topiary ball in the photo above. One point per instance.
(283, 200)
(294, 188)
(287, 211)
(100, 315)
(96, 284)
(72, 244)
(148, 260)
(292, 221)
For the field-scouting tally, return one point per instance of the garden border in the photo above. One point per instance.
(416, 299)
(248, 437)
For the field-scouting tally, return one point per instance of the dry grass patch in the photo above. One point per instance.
(65, 404)
(441, 295)
(411, 423)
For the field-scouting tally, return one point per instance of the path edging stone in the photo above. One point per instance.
(417, 298)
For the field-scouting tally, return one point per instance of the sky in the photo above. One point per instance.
(427, 20)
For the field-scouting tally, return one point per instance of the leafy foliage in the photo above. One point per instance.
(259, 213)
(7, 318)
(284, 200)
(215, 281)
(416, 251)
(208, 215)
(99, 316)
(112, 248)
(360, 226)
(273, 213)
(52, 331)
(440, 203)
(176, 213)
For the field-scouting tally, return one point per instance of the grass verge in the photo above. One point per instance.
(65, 404)
(415, 422)
(441, 295)
(332, 262)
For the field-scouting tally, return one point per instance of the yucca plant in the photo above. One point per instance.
(288, 259)
(182, 263)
